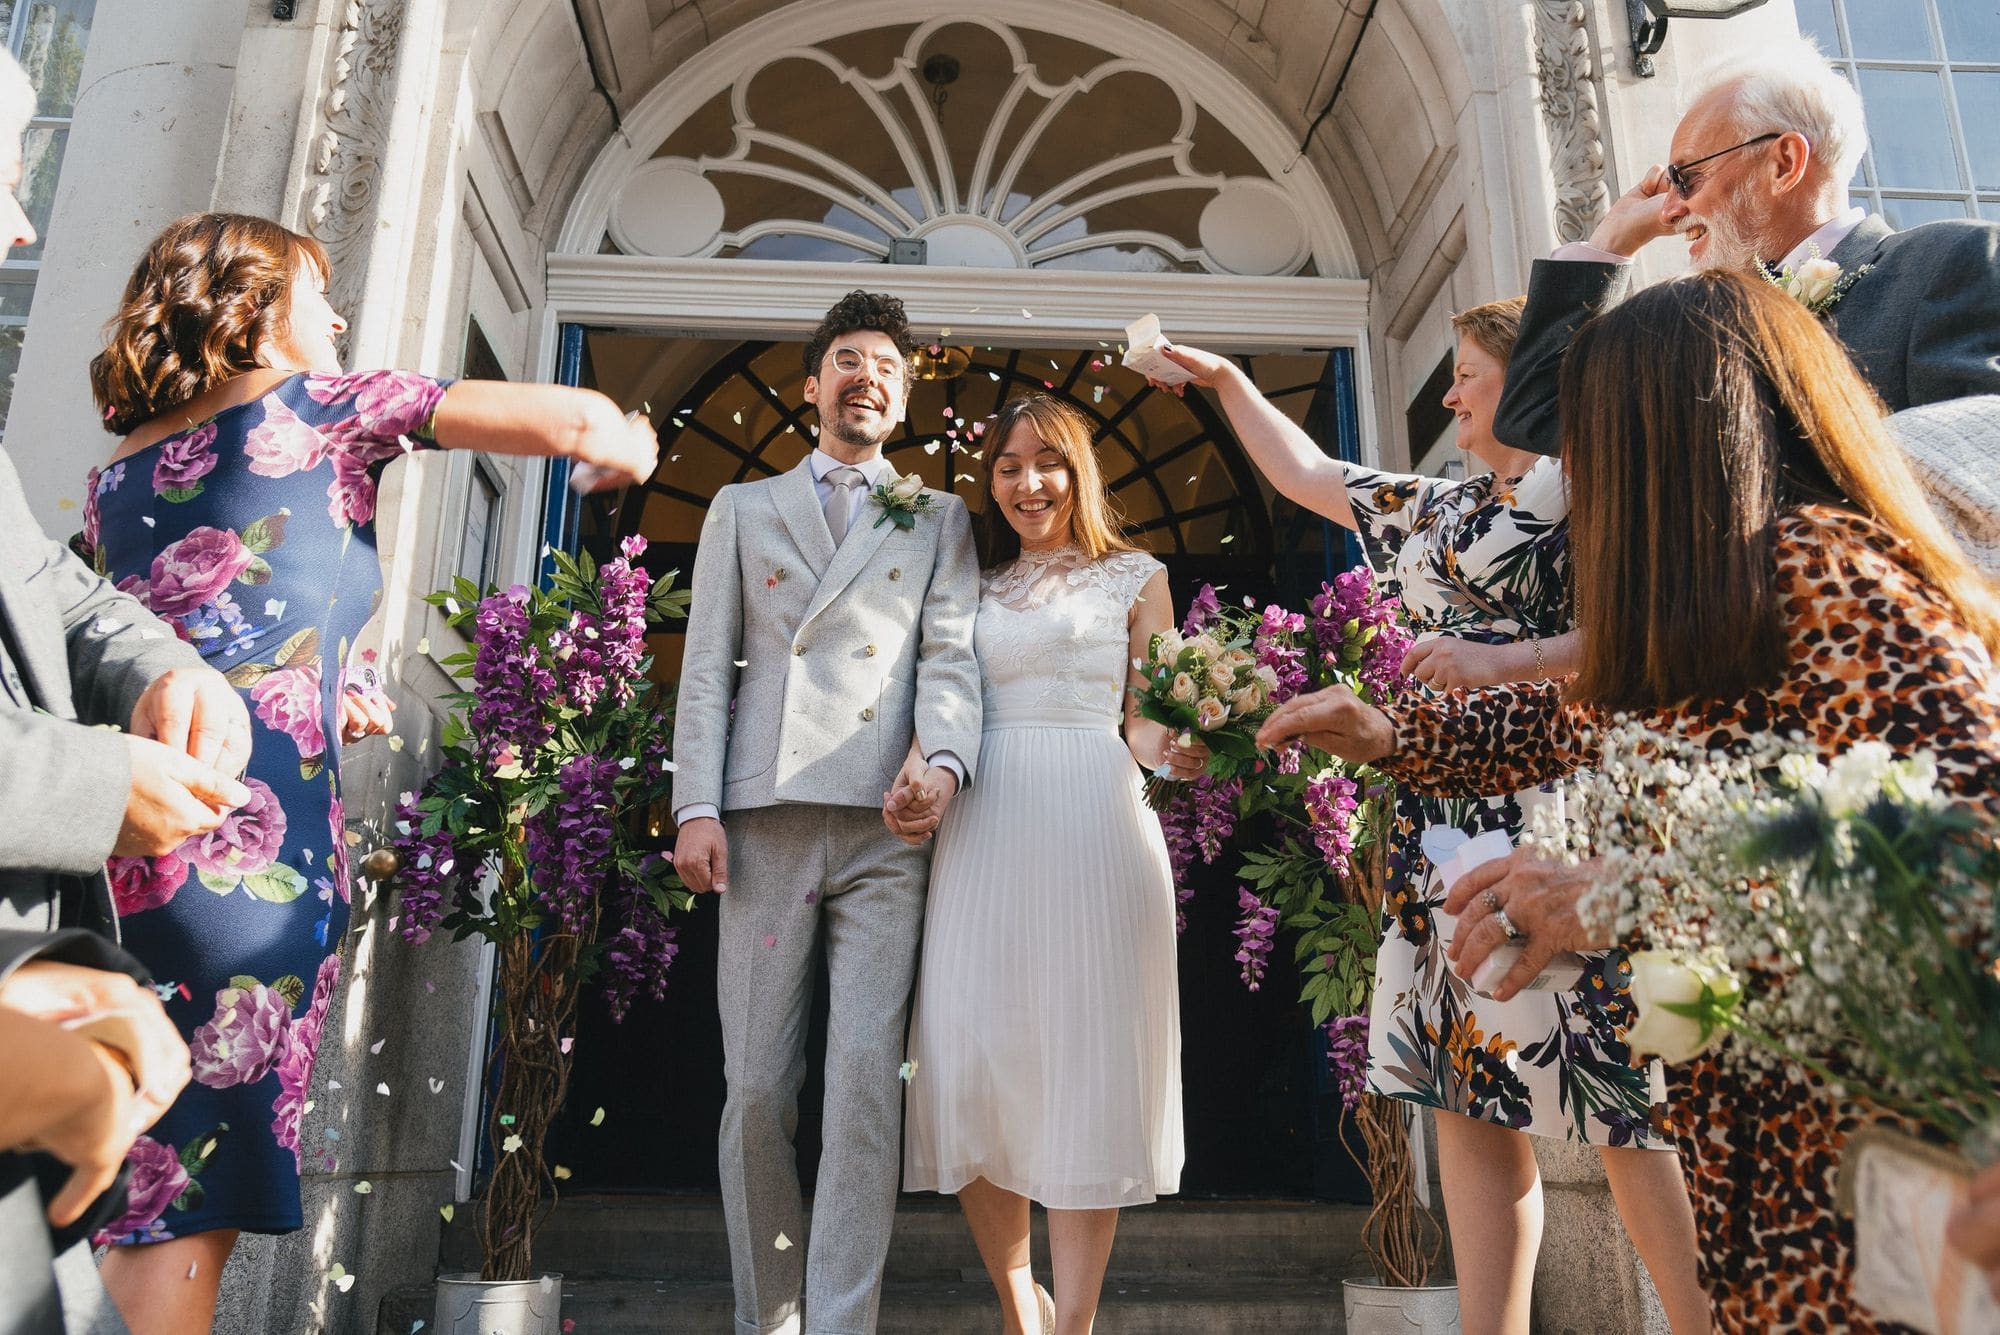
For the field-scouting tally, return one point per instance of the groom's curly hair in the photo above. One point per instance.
(860, 310)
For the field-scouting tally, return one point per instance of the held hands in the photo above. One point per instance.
(701, 856)
(915, 807)
(1540, 896)
(1334, 720)
(1636, 217)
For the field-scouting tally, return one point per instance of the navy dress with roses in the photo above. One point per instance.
(253, 534)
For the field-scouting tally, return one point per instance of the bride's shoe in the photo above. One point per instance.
(1047, 1306)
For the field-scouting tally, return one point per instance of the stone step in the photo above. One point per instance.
(681, 1238)
(940, 1307)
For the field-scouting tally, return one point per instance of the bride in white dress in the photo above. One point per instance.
(1045, 1037)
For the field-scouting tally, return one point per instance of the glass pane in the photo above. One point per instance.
(52, 50)
(1979, 112)
(17, 295)
(1903, 213)
(1971, 29)
(1906, 124)
(10, 362)
(1989, 209)
(1816, 21)
(41, 164)
(1889, 30)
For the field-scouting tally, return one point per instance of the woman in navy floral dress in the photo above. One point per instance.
(240, 506)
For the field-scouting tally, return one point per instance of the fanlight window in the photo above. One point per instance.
(992, 147)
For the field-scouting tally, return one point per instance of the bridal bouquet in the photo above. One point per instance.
(1208, 682)
(1841, 917)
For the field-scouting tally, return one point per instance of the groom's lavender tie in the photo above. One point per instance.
(840, 503)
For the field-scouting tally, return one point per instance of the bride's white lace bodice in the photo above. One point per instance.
(1054, 630)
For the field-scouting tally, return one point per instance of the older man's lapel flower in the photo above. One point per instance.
(1817, 283)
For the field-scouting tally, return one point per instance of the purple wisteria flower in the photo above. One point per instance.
(637, 959)
(569, 845)
(428, 862)
(509, 682)
(1254, 933)
(1358, 630)
(1347, 1056)
(1197, 819)
(1330, 807)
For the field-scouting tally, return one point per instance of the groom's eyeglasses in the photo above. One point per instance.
(849, 360)
(1685, 184)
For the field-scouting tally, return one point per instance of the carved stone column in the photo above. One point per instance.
(1568, 76)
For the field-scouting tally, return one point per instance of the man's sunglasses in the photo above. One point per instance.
(1684, 184)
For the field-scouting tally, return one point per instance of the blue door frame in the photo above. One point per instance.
(562, 507)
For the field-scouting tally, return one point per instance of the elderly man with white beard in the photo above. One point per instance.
(1761, 161)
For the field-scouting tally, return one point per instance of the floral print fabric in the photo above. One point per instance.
(1487, 561)
(252, 534)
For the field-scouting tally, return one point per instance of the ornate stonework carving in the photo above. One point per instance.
(354, 121)
(1568, 77)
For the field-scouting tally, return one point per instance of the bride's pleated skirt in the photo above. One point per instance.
(1046, 1028)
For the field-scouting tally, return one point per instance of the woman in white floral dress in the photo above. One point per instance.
(1481, 568)
(1045, 1038)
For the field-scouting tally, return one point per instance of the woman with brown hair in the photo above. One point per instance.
(1482, 568)
(239, 505)
(1753, 554)
(1045, 1038)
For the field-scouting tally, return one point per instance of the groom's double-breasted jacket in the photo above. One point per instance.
(833, 658)
(1921, 321)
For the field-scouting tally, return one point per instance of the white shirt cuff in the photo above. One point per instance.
(697, 811)
(946, 760)
(1583, 250)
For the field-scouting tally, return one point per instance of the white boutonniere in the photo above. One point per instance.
(1818, 284)
(902, 501)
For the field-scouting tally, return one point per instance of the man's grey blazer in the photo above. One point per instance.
(73, 652)
(1923, 324)
(834, 659)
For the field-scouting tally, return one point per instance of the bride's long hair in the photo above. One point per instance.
(1095, 522)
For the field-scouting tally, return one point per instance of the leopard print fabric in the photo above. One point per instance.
(1873, 655)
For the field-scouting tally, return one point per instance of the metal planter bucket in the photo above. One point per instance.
(1374, 1308)
(469, 1305)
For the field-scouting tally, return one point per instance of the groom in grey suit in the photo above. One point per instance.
(1760, 168)
(828, 665)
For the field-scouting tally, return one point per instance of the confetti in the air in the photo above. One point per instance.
(597, 1118)
(784, 1244)
(383, 1090)
(363, 1188)
(446, 1211)
(907, 1071)
(375, 1048)
(437, 1085)
(509, 1145)
(562, 1173)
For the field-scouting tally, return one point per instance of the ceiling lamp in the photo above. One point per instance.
(938, 362)
(1648, 20)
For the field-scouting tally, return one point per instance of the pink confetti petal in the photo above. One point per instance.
(770, 941)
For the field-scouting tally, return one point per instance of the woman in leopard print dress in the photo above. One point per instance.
(1752, 554)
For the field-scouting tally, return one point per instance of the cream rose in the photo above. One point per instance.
(1815, 280)
(1220, 677)
(1238, 658)
(1661, 979)
(1245, 701)
(906, 487)
(1206, 645)
(1167, 645)
(1210, 714)
(1182, 690)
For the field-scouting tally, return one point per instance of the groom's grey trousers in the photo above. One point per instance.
(804, 878)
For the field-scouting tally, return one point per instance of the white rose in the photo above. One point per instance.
(1210, 714)
(1245, 701)
(1205, 645)
(1854, 777)
(1660, 979)
(1220, 677)
(1182, 690)
(1267, 677)
(906, 487)
(1815, 280)
(1238, 658)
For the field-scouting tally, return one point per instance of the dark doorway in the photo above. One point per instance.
(1259, 1109)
